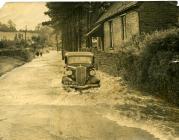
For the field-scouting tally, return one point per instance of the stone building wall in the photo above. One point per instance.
(148, 17)
(132, 24)
(132, 28)
(117, 33)
(106, 36)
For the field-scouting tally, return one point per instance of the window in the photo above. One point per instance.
(80, 59)
(123, 24)
(111, 34)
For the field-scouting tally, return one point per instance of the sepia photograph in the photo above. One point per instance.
(89, 70)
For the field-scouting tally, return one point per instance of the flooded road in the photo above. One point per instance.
(34, 106)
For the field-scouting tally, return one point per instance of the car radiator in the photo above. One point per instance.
(81, 75)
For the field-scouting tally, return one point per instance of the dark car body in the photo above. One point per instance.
(79, 70)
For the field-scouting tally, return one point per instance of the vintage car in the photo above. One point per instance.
(79, 70)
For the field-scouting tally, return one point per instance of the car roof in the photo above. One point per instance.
(79, 54)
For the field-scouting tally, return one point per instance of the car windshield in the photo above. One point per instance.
(79, 60)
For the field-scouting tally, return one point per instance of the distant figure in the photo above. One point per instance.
(40, 53)
(37, 53)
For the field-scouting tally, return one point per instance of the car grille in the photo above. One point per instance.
(81, 75)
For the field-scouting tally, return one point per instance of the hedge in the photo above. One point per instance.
(149, 62)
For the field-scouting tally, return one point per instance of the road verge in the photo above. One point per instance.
(9, 63)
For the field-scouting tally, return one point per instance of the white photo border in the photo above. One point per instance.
(2, 2)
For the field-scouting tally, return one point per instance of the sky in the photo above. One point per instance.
(23, 14)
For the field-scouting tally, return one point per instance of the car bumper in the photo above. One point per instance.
(83, 87)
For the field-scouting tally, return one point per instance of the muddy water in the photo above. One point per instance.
(128, 107)
(33, 101)
(136, 109)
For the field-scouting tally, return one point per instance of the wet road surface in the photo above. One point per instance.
(34, 106)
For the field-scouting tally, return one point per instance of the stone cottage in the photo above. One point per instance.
(126, 19)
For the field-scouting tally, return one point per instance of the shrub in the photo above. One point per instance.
(147, 63)
(7, 44)
(24, 54)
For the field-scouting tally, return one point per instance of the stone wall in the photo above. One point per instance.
(107, 62)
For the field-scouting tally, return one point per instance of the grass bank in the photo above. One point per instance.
(11, 58)
(23, 54)
(9, 63)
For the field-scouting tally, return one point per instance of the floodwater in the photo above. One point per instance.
(33, 105)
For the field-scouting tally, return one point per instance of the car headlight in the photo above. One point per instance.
(92, 72)
(68, 72)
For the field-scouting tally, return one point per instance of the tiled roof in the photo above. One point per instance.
(119, 7)
(116, 8)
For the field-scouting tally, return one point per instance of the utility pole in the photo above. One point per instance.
(78, 29)
(25, 34)
(56, 36)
